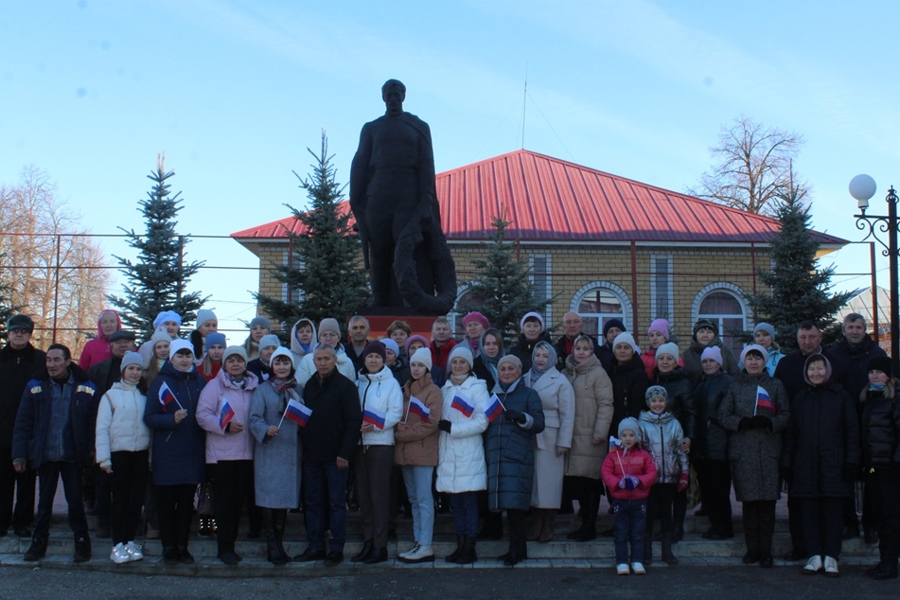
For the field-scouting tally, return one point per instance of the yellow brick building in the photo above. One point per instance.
(598, 244)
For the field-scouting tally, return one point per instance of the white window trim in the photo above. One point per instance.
(720, 286)
(617, 291)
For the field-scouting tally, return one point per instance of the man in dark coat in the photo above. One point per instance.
(359, 329)
(329, 439)
(856, 350)
(52, 434)
(572, 325)
(19, 361)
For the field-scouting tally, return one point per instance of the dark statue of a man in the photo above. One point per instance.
(392, 195)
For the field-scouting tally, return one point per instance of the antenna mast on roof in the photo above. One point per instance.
(524, 102)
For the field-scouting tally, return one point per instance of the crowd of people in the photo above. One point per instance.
(158, 432)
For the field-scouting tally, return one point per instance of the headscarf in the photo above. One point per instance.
(535, 373)
(491, 363)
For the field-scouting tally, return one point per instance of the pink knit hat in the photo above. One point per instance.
(660, 325)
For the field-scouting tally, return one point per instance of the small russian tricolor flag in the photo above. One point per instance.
(461, 403)
(166, 397)
(763, 400)
(494, 408)
(298, 412)
(615, 443)
(372, 416)
(418, 407)
(225, 415)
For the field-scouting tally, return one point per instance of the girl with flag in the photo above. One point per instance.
(461, 471)
(552, 444)
(224, 413)
(821, 461)
(755, 411)
(274, 424)
(593, 414)
(381, 401)
(178, 443)
(510, 452)
(416, 451)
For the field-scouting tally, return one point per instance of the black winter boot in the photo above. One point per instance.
(667, 555)
(467, 555)
(453, 556)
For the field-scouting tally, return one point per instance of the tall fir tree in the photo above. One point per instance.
(158, 279)
(326, 277)
(502, 289)
(798, 290)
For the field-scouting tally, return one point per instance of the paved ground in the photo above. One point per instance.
(735, 583)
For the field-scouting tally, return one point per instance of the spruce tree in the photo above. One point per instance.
(501, 288)
(326, 275)
(158, 279)
(798, 290)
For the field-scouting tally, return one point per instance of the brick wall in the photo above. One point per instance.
(573, 267)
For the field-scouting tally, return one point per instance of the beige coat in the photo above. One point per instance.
(593, 415)
(558, 403)
(418, 445)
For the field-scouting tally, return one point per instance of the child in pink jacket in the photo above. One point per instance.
(628, 471)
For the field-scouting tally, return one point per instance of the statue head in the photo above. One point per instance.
(393, 92)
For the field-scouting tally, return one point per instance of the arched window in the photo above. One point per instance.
(723, 303)
(466, 297)
(598, 302)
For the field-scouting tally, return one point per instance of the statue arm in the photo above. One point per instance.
(359, 171)
(428, 207)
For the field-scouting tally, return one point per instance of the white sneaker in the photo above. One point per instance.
(831, 567)
(813, 565)
(419, 554)
(622, 569)
(134, 551)
(119, 555)
(410, 551)
(638, 568)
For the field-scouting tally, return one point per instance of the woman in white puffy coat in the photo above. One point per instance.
(122, 450)
(462, 471)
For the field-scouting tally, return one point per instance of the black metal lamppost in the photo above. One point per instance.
(862, 188)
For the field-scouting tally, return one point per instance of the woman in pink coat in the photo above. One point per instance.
(97, 350)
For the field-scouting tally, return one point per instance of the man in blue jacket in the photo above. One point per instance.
(53, 435)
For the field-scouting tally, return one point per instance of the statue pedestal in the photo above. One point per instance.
(378, 324)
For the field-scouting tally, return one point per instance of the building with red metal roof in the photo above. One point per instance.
(602, 245)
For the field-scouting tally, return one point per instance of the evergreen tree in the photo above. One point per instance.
(158, 279)
(502, 289)
(798, 289)
(325, 277)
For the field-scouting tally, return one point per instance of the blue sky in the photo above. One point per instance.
(235, 91)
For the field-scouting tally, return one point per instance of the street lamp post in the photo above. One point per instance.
(862, 188)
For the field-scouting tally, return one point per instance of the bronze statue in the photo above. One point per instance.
(392, 195)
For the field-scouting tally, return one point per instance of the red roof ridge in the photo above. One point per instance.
(548, 199)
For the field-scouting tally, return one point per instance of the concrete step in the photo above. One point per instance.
(61, 543)
(443, 523)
